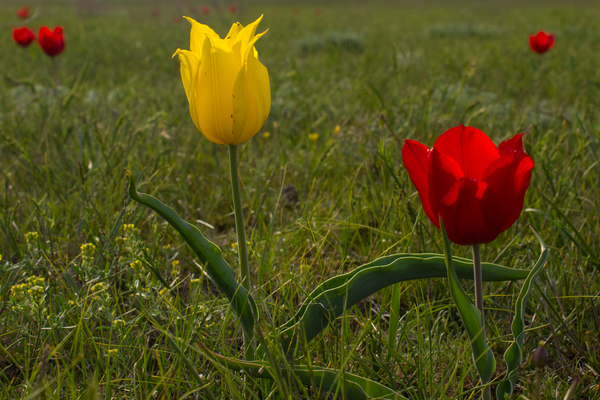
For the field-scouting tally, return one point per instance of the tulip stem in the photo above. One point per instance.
(478, 283)
(487, 391)
(241, 234)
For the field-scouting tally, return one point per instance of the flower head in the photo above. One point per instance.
(52, 42)
(23, 12)
(227, 87)
(541, 42)
(23, 36)
(205, 10)
(232, 8)
(476, 188)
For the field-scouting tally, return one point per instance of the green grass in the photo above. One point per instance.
(382, 71)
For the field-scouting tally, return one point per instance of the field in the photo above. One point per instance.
(101, 298)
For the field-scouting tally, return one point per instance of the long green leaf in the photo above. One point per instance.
(514, 355)
(330, 299)
(209, 253)
(356, 387)
(471, 317)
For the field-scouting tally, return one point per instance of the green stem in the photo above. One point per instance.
(487, 391)
(478, 283)
(241, 234)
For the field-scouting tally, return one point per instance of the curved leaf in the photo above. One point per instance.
(471, 317)
(514, 355)
(330, 299)
(356, 387)
(209, 253)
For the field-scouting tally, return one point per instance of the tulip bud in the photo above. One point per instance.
(540, 356)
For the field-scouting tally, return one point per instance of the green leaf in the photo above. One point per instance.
(514, 355)
(330, 299)
(356, 387)
(470, 315)
(209, 253)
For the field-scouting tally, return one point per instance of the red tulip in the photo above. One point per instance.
(176, 19)
(317, 11)
(155, 12)
(205, 10)
(541, 42)
(23, 36)
(23, 12)
(475, 187)
(232, 8)
(51, 42)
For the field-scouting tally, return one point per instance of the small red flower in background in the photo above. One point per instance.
(317, 11)
(541, 42)
(177, 19)
(23, 12)
(52, 42)
(232, 8)
(205, 10)
(476, 188)
(23, 36)
(155, 12)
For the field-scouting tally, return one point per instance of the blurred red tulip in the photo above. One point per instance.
(23, 12)
(232, 8)
(176, 19)
(205, 10)
(476, 188)
(317, 11)
(52, 42)
(23, 36)
(541, 42)
(155, 12)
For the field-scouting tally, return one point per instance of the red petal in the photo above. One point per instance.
(509, 181)
(415, 158)
(512, 146)
(469, 212)
(443, 174)
(472, 149)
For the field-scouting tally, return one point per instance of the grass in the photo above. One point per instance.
(382, 71)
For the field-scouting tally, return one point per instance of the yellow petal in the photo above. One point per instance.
(189, 67)
(189, 63)
(245, 36)
(251, 100)
(233, 33)
(197, 35)
(218, 70)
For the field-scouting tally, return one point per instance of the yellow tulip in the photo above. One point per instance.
(227, 87)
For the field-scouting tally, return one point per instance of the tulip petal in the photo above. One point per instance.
(415, 157)
(189, 63)
(198, 34)
(444, 171)
(472, 149)
(233, 33)
(466, 212)
(216, 77)
(251, 99)
(509, 178)
(244, 37)
(189, 67)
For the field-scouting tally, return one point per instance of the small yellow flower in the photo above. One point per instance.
(336, 130)
(112, 352)
(266, 135)
(314, 137)
(31, 237)
(227, 87)
(118, 323)
(275, 124)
